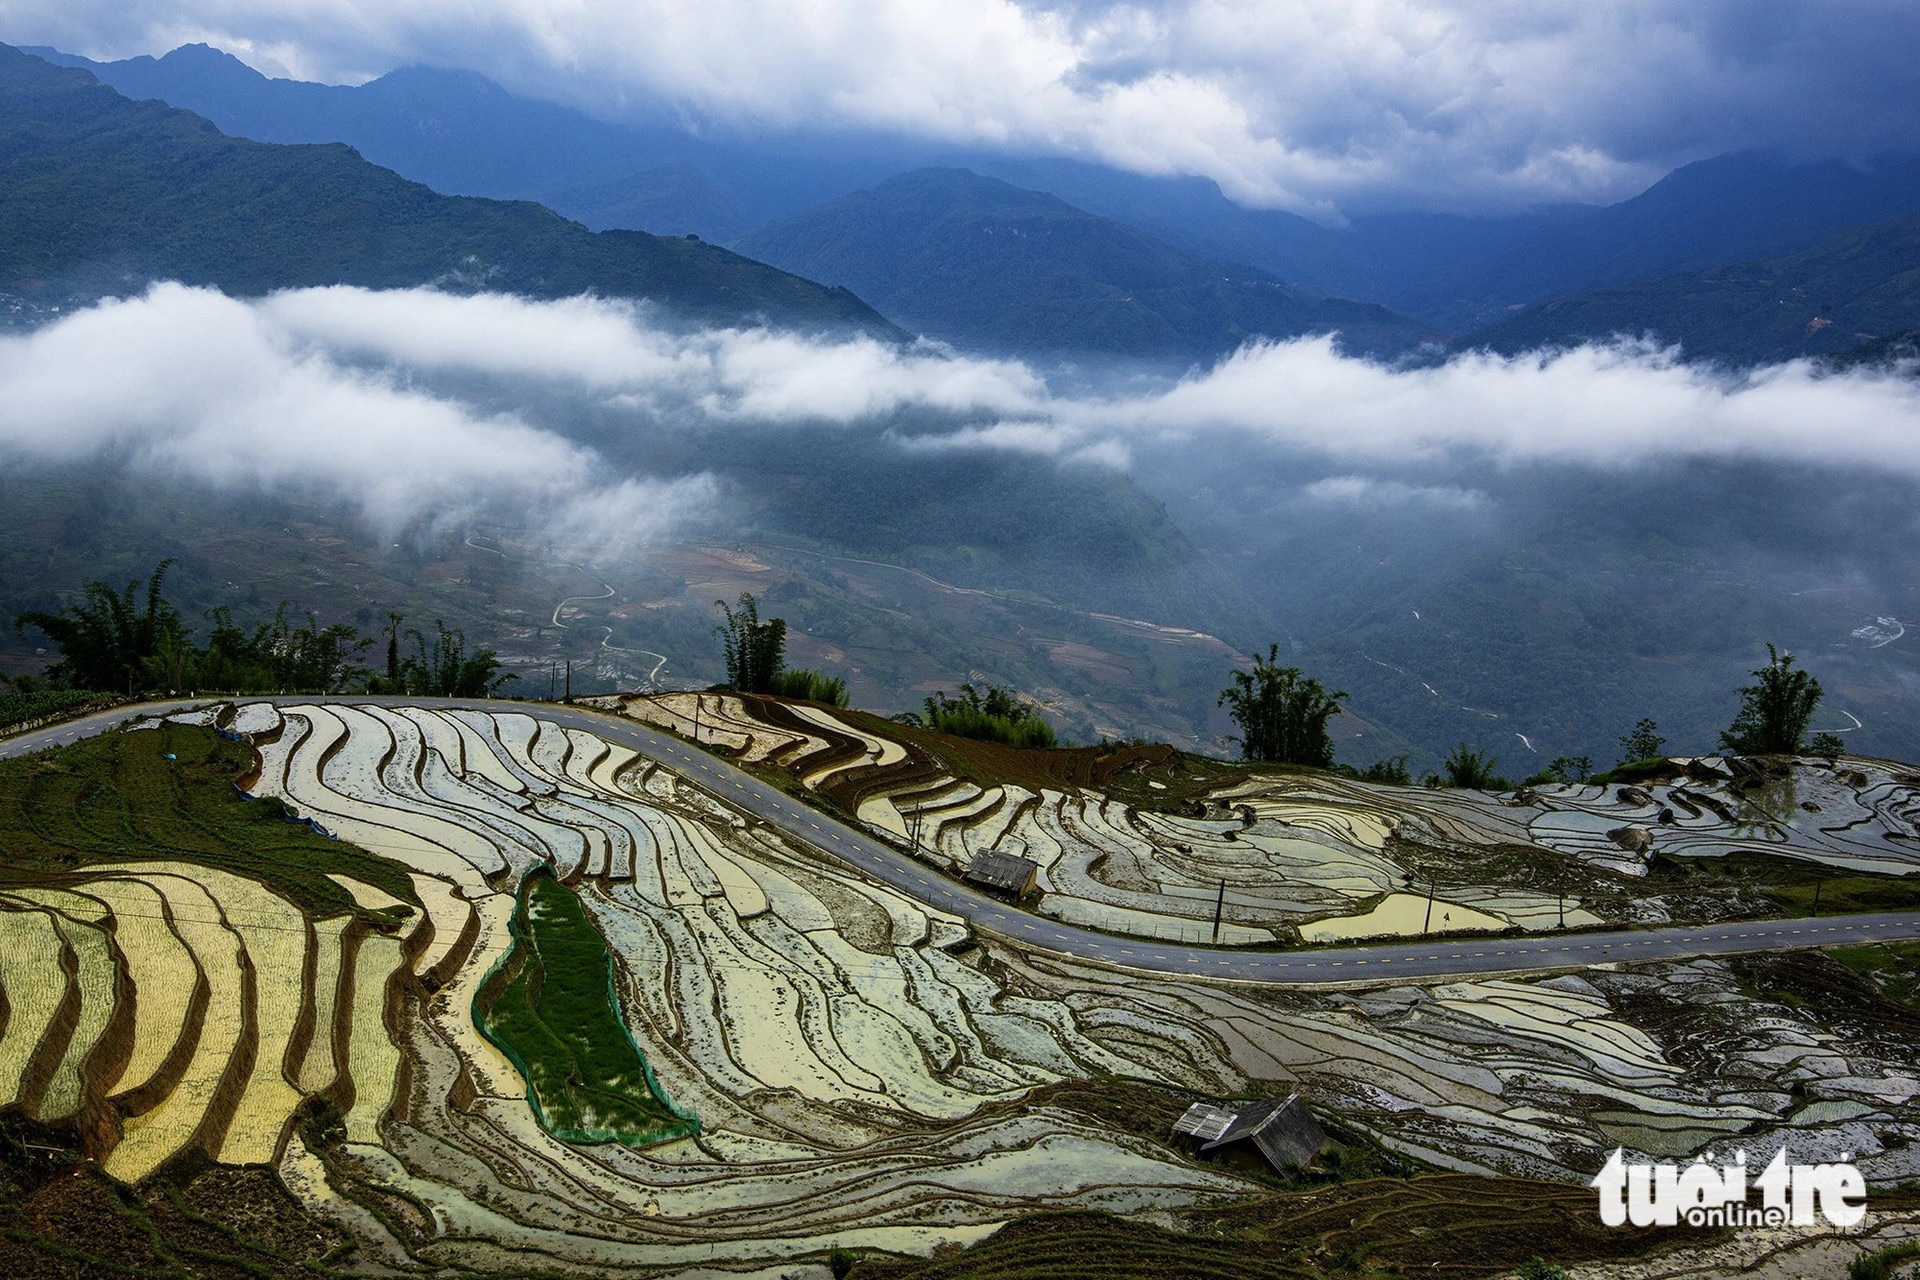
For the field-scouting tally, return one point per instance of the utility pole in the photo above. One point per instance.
(1433, 886)
(1219, 904)
(569, 679)
(551, 675)
(696, 719)
(1817, 886)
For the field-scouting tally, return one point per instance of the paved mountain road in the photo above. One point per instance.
(1405, 961)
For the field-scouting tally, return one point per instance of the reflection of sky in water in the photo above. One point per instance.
(1765, 809)
(1863, 816)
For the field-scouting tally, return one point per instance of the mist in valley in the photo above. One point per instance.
(1528, 554)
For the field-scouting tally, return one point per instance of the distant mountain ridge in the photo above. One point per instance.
(979, 262)
(462, 134)
(99, 194)
(1850, 290)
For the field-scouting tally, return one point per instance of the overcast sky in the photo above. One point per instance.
(1318, 106)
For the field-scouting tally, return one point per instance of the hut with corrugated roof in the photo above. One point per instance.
(1005, 874)
(1281, 1130)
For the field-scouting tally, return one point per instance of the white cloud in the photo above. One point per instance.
(190, 383)
(613, 346)
(1605, 405)
(1301, 104)
(325, 390)
(1369, 493)
(1611, 405)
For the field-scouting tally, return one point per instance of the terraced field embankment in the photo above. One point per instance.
(868, 1071)
(1142, 841)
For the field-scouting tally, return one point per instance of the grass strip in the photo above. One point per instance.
(170, 793)
(550, 1007)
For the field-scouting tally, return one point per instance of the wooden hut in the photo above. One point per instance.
(1282, 1130)
(1005, 874)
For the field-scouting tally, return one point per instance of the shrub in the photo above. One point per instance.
(997, 715)
(1390, 772)
(798, 682)
(1472, 769)
(19, 707)
(1881, 1263)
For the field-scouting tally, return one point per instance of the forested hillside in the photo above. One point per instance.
(977, 261)
(1851, 289)
(99, 194)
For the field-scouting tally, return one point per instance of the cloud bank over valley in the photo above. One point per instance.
(1418, 534)
(189, 384)
(413, 404)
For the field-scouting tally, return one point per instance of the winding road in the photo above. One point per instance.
(1387, 962)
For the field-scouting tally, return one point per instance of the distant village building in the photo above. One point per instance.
(1282, 1130)
(1003, 873)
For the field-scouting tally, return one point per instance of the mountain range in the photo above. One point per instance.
(1542, 609)
(461, 134)
(1852, 288)
(992, 266)
(99, 194)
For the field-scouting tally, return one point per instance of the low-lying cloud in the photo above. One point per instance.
(189, 383)
(343, 392)
(1619, 404)
(1369, 493)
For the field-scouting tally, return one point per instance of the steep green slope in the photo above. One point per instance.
(979, 262)
(101, 194)
(1852, 288)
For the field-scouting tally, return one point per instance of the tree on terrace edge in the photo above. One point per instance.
(1774, 710)
(1282, 713)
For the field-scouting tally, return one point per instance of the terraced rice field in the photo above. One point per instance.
(1312, 856)
(166, 1000)
(833, 1035)
(867, 1073)
(1284, 857)
(1858, 815)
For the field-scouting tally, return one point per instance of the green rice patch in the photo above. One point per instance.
(549, 1005)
